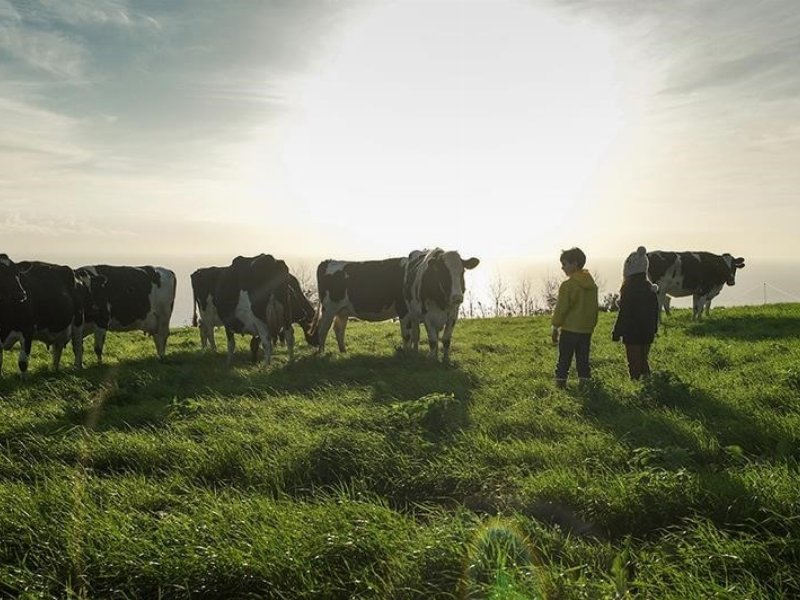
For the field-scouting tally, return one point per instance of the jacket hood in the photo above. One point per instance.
(584, 279)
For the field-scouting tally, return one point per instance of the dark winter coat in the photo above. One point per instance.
(637, 320)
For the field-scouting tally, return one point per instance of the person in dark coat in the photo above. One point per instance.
(637, 320)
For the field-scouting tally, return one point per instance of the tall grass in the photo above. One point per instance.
(379, 475)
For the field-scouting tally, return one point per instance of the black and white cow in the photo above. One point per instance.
(281, 316)
(204, 284)
(701, 275)
(52, 310)
(425, 287)
(128, 299)
(253, 297)
(16, 320)
(57, 301)
(433, 288)
(369, 290)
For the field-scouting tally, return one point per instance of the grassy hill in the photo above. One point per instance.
(376, 475)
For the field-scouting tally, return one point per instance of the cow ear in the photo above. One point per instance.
(470, 263)
(739, 262)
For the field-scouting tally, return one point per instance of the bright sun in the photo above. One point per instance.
(472, 125)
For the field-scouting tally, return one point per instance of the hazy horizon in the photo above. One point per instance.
(779, 274)
(364, 129)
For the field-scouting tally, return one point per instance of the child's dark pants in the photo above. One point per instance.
(573, 344)
(637, 359)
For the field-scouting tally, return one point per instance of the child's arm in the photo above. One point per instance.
(560, 311)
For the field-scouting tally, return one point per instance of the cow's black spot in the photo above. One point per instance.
(372, 286)
(128, 291)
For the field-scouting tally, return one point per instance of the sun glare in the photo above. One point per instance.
(474, 125)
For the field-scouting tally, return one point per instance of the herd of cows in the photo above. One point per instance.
(258, 296)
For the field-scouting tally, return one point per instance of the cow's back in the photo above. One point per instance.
(137, 297)
(53, 295)
(370, 290)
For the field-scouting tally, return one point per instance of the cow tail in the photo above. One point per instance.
(312, 329)
(194, 309)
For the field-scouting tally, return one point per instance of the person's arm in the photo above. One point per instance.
(560, 311)
(619, 324)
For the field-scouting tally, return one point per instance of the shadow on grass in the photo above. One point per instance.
(708, 447)
(140, 392)
(653, 419)
(753, 328)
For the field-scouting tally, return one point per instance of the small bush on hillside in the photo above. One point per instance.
(665, 389)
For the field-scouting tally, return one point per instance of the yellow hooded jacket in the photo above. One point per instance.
(577, 307)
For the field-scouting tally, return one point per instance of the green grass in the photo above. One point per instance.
(379, 475)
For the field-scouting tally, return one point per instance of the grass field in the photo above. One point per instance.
(376, 475)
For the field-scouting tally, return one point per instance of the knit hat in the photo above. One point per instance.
(636, 263)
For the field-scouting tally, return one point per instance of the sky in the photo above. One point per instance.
(141, 129)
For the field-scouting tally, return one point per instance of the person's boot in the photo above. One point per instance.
(584, 383)
(561, 384)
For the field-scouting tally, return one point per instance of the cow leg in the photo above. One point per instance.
(212, 343)
(77, 346)
(231, 345)
(160, 339)
(697, 307)
(433, 340)
(266, 343)
(288, 334)
(255, 343)
(406, 324)
(99, 342)
(266, 339)
(325, 322)
(24, 353)
(666, 303)
(708, 307)
(201, 329)
(446, 336)
(339, 325)
(58, 348)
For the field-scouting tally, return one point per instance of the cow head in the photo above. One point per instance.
(11, 289)
(443, 274)
(93, 290)
(733, 264)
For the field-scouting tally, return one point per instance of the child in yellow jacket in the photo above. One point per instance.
(574, 317)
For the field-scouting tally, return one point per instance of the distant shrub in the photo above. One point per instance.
(438, 414)
(610, 302)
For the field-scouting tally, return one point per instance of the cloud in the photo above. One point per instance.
(49, 51)
(703, 47)
(30, 129)
(16, 222)
(84, 12)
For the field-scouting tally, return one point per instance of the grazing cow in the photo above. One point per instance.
(204, 283)
(701, 275)
(370, 290)
(128, 299)
(252, 297)
(16, 321)
(433, 288)
(280, 318)
(57, 299)
(52, 309)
